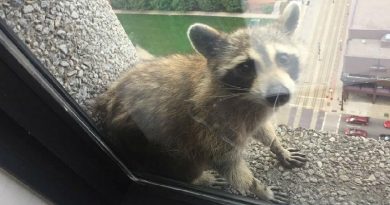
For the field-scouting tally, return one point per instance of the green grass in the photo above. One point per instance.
(163, 35)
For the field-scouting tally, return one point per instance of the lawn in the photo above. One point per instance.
(163, 35)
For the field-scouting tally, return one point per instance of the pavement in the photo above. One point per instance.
(360, 104)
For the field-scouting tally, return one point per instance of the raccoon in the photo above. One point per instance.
(180, 115)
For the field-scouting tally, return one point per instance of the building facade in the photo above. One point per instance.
(366, 67)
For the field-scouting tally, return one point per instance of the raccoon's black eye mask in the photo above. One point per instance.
(240, 78)
(246, 68)
(289, 62)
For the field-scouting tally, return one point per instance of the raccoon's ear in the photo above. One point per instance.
(204, 39)
(290, 18)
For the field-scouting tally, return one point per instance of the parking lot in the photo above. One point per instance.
(374, 128)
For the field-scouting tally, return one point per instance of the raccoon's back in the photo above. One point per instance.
(153, 95)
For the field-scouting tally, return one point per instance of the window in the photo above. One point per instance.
(189, 116)
(386, 37)
(378, 68)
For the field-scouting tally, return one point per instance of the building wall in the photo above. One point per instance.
(361, 66)
(356, 65)
(256, 5)
(386, 64)
(367, 34)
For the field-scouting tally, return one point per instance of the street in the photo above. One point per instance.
(374, 127)
(316, 105)
(322, 30)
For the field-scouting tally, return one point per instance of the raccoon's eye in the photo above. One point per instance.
(283, 58)
(240, 78)
(289, 62)
(246, 67)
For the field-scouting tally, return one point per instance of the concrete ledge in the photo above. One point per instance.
(81, 42)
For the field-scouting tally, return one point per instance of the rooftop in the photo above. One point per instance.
(368, 48)
(371, 15)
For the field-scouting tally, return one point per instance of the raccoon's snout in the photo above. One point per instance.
(277, 95)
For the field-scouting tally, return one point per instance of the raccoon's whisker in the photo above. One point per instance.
(274, 107)
(238, 89)
(223, 96)
(230, 85)
(277, 97)
(229, 97)
(233, 87)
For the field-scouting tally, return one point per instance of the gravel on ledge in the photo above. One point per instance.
(83, 45)
(341, 170)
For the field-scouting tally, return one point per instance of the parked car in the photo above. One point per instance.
(386, 124)
(385, 137)
(355, 132)
(355, 119)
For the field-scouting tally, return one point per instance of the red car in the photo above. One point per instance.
(355, 119)
(386, 124)
(355, 132)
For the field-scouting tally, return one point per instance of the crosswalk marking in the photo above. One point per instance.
(338, 123)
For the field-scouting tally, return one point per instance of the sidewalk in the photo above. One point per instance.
(273, 15)
(200, 13)
(360, 104)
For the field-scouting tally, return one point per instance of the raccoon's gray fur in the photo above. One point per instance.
(183, 114)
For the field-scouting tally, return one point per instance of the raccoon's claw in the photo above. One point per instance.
(212, 179)
(279, 197)
(270, 193)
(293, 158)
(218, 182)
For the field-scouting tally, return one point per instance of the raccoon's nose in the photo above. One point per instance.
(277, 95)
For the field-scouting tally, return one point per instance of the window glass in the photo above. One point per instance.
(283, 101)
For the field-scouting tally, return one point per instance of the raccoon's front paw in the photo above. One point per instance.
(217, 180)
(292, 158)
(271, 194)
(211, 179)
(278, 197)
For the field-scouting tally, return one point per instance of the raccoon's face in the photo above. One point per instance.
(261, 63)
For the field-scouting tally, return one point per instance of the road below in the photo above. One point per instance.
(374, 127)
(322, 31)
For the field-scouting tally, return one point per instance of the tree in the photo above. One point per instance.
(210, 5)
(139, 4)
(184, 5)
(233, 5)
(160, 5)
